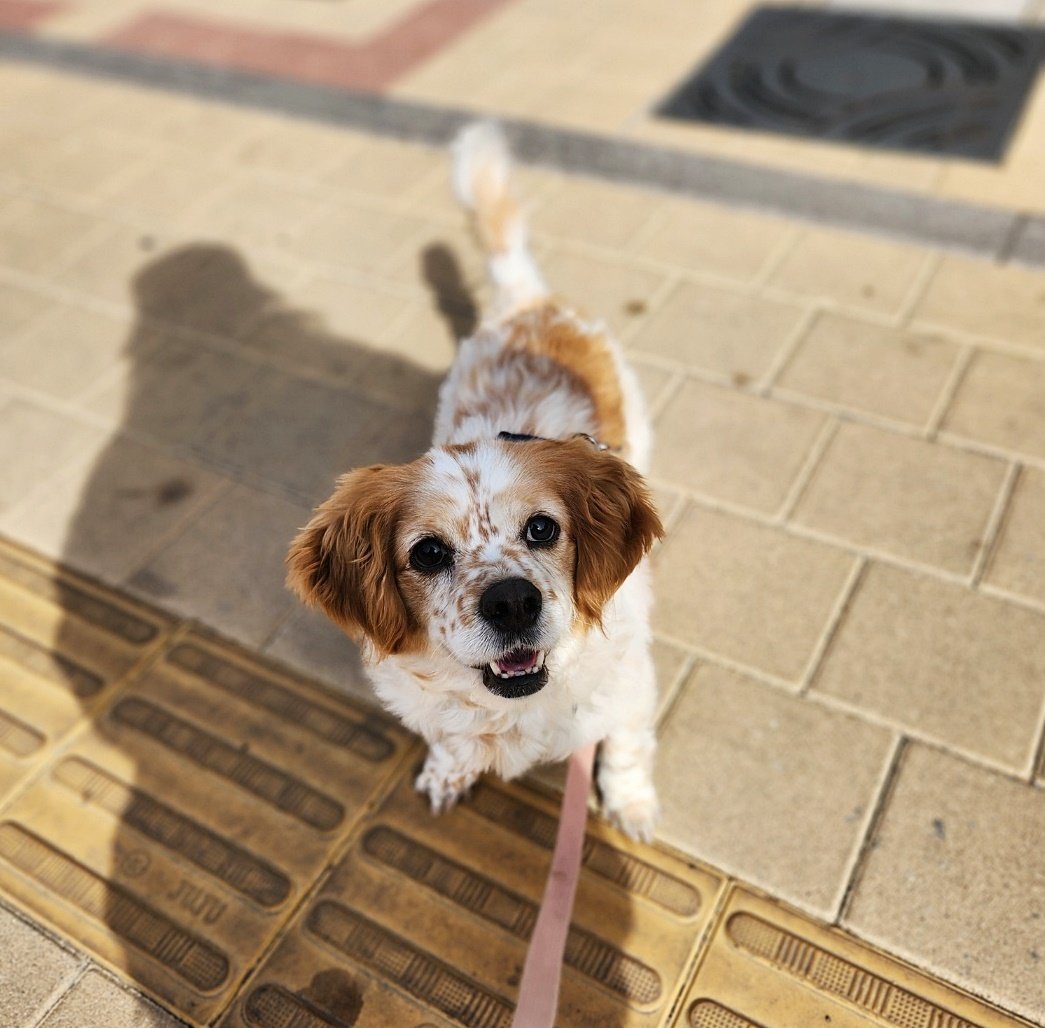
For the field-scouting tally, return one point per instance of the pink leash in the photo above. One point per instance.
(539, 988)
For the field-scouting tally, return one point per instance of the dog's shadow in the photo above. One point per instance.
(222, 373)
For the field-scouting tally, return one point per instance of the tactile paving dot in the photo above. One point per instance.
(768, 967)
(64, 644)
(175, 835)
(425, 921)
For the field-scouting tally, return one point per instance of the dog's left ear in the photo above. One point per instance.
(613, 522)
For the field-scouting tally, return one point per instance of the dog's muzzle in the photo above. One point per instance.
(512, 607)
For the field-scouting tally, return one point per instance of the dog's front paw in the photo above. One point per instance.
(629, 799)
(636, 817)
(443, 782)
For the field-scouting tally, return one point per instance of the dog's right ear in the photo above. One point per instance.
(343, 560)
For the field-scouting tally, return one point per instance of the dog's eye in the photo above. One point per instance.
(430, 555)
(541, 530)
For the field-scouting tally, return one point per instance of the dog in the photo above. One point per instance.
(498, 585)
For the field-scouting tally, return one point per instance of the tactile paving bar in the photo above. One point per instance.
(174, 836)
(64, 643)
(768, 967)
(425, 922)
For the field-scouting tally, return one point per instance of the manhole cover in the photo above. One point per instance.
(938, 87)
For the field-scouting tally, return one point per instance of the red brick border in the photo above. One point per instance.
(18, 15)
(374, 65)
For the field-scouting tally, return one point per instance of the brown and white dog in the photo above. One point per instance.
(497, 584)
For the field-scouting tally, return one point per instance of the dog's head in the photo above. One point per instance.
(490, 552)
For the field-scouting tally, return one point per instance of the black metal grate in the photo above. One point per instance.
(938, 87)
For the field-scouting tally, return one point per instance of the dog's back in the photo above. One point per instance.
(535, 366)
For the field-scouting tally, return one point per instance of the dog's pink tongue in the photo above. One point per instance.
(521, 660)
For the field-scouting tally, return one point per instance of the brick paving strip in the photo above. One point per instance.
(980, 230)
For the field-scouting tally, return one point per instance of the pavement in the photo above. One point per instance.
(212, 302)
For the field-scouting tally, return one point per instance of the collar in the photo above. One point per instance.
(522, 437)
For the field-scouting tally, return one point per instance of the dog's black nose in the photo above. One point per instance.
(512, 605)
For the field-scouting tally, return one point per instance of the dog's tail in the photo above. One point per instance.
(482, 182)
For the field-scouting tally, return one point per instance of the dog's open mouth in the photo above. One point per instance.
(516, 674)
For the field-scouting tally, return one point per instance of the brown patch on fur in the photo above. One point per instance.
(613, 522)
(344, 560)
(496, 212)
(550, 332)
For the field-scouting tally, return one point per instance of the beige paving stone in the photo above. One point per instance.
(174, 391)
(731, 334)
(65, 351)
(32, 969)
(81, 165)
(871, 369)
(428, 337)
(593, 212)
(952, 665)
(852, 270)
(108, 269)
(254, 213)
(907, 171)
(111, 508)
(338, 309)
(593, 103)
(299, 149)
(669, 662)
(1018, 563)
(35, 443)
(99, 1001)
(212, 288)
(706, 237)
(953, 879)
(1016, 185)
(45, 97)
(310, 643)
(18, 306)
(300, 435)
(226, 567)
(146, 115)
(11, 205)
(669, 504)
(767, 786)
(38, 235)
(386, 168)
(733, 447)
(652, 381)
(750, 593)
(356, 236)
(1001, 302)
(603, 290)
(167, 187)
(446, 258)
(206, 127)
(894, 494)
(1001, 401)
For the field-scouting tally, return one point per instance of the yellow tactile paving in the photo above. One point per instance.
(767, 967)
(64, 646)
(176, 833)
(429, 918)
